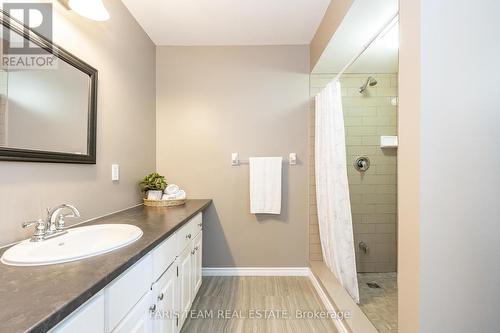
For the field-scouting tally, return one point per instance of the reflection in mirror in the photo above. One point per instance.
(45, 109)
(47, 106)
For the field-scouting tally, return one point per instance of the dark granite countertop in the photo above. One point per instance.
(35, 299)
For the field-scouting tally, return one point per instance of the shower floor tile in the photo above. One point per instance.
(380, 305)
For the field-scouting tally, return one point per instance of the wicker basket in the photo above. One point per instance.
(163, 203)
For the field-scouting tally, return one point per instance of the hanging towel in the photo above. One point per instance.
(265, 185)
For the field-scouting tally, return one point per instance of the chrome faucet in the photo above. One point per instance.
(54, 223)
(55, 214)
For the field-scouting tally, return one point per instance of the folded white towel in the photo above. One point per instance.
(265, 185)
(180, 195)
(171, 189)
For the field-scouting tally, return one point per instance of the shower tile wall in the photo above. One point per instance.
(373, 194)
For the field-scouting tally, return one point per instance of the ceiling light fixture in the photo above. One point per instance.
(91, 9)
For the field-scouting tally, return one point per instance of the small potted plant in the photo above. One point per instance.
(153, 185)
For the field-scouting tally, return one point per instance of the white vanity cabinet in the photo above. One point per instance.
(87, 318)
(196, 264)
(152, 296)
(138, 319)
(165, 294)
(185, 273)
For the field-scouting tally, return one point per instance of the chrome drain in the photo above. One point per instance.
(373, 285)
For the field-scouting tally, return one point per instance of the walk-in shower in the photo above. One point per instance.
(360, 98)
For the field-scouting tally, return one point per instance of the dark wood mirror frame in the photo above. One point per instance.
(15, 154)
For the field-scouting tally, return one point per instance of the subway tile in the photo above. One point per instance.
(352, 82)
(379, 198)
(372, 140)
(379, 121)
(387, 90)
(357, 218)
(363, 228)
(314, 240)
(394, 83)
(354, 140)
(385, 188)
(386, 208)
(388, 111)
(353, 121)
(316, 256)
(388, 169)
(385, 267)
(349, 101)
(385, 228)
(315, 248)
(384, 159)
(362, 150)
(386, 130)
(361, 189)
(361, 131)
(380, 218)
(356, 198)
(363, 208)
(371, 179)
(366, 267)
(367, 111)
(314, 229)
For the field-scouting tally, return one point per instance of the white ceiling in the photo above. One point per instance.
(228, 22)
(364, 19)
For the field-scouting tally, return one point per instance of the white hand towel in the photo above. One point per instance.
(265, 185)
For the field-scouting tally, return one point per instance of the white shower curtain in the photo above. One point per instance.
(332, 189)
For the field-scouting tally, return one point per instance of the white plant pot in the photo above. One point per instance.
(154, 195)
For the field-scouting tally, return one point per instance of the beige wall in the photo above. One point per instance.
(212, 101)
(50, 101)
(331, 20)
(125, 133)
(367, 116)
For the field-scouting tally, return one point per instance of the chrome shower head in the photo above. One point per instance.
(370, 81)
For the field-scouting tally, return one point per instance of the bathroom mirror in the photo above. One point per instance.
(48, 99)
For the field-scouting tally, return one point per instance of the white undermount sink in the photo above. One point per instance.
(77, 243)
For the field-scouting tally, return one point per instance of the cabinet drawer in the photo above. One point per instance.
(197, 222)
(126, 290)
(87, 318)
(184, 236)
(164, 255)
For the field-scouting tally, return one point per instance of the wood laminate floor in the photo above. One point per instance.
(234, 304)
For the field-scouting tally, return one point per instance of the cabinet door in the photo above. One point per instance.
(138, 320)
(165, 297)
(184, 280)
(196, 265)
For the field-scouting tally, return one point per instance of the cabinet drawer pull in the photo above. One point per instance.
(188, 236)
(160, 297)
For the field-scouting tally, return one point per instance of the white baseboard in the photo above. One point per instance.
(256, 271)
